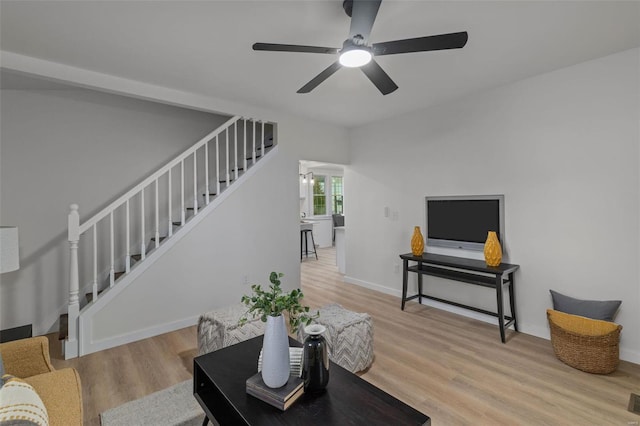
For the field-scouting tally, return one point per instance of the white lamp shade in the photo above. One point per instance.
(9, 259)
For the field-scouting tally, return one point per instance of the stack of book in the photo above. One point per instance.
(282, 397)
(295, 361)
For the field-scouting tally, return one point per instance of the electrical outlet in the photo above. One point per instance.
(394, 216)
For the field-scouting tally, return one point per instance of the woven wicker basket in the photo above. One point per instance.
(598, 354)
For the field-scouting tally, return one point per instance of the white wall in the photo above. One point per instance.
(253, 232)
(87, 148)
(73, 146)
(563, 149)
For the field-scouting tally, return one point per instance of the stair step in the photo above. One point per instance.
(136, 257)
(63, 327)
(116, 275)
(176, 223)
(268, 143)
(211, 194)
(89, 296)
(258, 153)
(161, 238)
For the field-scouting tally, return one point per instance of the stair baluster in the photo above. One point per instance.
(227, 157)
(254, 142)
(217, 165)
(235, 146)
(206, 174)
(74, 345)
(244, 134)
(111, 252)
(157, 216)
(143, 249)
(94, 284)
(262, 138)
(169, 185)
(127, 260)
(183, 211)
(195, 184)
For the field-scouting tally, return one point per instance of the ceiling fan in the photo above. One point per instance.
(356, 51)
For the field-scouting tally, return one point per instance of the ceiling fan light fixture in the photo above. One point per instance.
(355, 57)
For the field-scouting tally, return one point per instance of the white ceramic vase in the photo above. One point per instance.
(275, 353)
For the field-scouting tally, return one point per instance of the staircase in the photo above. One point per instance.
(109, 250)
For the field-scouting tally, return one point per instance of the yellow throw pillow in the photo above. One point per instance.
(20, 404)
(581, 325)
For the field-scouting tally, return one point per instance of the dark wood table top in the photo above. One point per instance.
(348, 400)
(461, 262)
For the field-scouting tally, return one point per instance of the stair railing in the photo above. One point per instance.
(136, 195)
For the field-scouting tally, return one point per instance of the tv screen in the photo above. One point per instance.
(463, 222)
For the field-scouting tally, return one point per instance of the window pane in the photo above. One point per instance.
(319, 200)
(336, 194)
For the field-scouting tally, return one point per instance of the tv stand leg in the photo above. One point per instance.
(420, 284)
(405, 277)
(500, 306)
(512, 301)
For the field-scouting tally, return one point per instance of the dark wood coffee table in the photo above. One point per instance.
(219, 386)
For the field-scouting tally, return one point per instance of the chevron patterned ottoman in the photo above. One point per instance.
(349, 336)
(219, 328)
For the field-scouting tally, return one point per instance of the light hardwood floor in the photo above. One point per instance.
(450, 367)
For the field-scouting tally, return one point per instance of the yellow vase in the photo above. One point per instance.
(417, 242)
(492, 250)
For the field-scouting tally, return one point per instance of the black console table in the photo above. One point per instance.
(470, 271)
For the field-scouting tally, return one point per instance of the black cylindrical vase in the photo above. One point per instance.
(315, 364)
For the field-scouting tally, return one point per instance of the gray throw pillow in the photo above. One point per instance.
(596, 309)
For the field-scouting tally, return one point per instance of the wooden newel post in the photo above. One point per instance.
(74, 285)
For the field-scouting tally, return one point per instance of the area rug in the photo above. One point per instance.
(174, 406)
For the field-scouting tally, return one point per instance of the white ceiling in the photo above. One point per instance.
(204, 47)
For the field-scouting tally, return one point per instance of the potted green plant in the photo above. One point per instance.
(270, 305)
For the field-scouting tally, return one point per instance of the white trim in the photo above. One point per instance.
(86, 342)
(372, 286)
(428, 302)
(122, 339)
(94, 80)
(156, 175)
(543, 333)
(630, 355)
(461, 311)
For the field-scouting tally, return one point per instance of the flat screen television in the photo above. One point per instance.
(462, 222)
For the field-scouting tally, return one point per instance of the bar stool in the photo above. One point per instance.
(304, 235)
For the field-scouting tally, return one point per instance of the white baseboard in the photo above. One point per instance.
(629, 355)
(89, 346)
(87, 343)
(372, 286)
(533, 330)
(427, 302)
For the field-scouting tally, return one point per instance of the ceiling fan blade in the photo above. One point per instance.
(273, 47)
(363, 15)
(421, 44)
(320, 77)
(378, 77)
